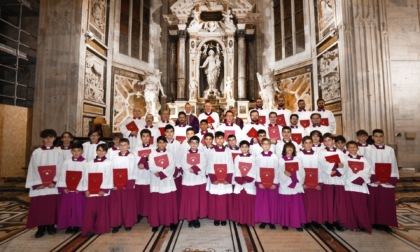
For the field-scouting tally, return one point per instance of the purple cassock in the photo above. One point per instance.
(312, 199)
(335, 204)
(122, 206)
(381, 204)
(291, 210)
(71, 209)
(42, 211)
(163, 209)
(266, 204)
(193, 202)
(243, 208)
(96, 215)
(142, 194)
(358, 214)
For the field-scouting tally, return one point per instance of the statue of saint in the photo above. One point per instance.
(213, 64)
(268, 88)
(152, 86)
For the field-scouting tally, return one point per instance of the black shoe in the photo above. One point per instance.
(154, 229)
(190, 224)
(223, 223)
(377, 226)
(262, 225)
(197, 224)
(239, 224)
(115, 229)
(216, 223)
(307, 225)
(329, 226)
(139, 217)
(285, 228)
(90, 234)
(299, 229)
(40, 232)
(316, 224)
(51, 230)
(127, 229)
(338, 226)
(69, 230)
(76, 230)
(172, 227)
(272, 226)
(386, 229)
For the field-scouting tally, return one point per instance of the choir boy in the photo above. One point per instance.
(382, 208)
(72, 202)
(132, 125)
(210, 116)
(256, 147)
(290, 201)
(97, 184)
(116, 148)
(66, 141)
(283, 113)
(267, 183)
(286, 138)
(220, 171)
(316, 125)
(244, 187)
(194, 195)
(327, 116)
(44, 163)
(154, 131)
(204, 129)
(331, 161)
(316, 137)
(340, 143)
(209, 146)
(362, 137)
(274, 130)
(163, 204)
(229, 127)
(313, 183)
(89, 148)
(142, 174)
(122, 201)
(356, 179)
(233, 148)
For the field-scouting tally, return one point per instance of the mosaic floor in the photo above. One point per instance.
(14, 237)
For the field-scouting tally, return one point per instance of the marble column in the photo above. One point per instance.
(182, 35)
(172, 68)
(241, 65)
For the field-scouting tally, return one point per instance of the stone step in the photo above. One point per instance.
(409, 177)
(403, 197)
(408, 186)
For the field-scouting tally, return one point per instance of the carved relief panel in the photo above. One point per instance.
(94, 81)
(329, 75)
(97, 18)
(325, 17)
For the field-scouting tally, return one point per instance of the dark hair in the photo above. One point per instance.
(261, 131)
(182, 113)
(189, 129)
(289, 144)
(301, 100)
(194, 138)
(68, 133)
(253, 110)
(93, 132)
(229, 111)
(102, 146)
(117, 135)
(124, 140)
(244, 142)
(272, 112)
(320, 99)
(168, 127)
(362, 133)
(265, 140)
(306, 138)
(219, 134)
(328, 135)
(161, 138)
(317, 132)
(340, 138)
(380, 131)
(204, 120)
(209, 135)
(231, 135)
(351, 143)
(318, 114)
(292, 115)
(145, 131)
(48, 133)
(286, 128)
(77, 145)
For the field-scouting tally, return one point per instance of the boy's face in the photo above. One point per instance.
(76, 152)
(232, 141)
(316, 120)
(307, 145)
(272, 119)
(101, 153)
(204, 126)
(378, 138)
(116, 141)
(124, 147)
(244, 148)
(145, 138)
(286, 134)
(340, 145)
(190, 133)
(266, 146)
(169, 134)
(362, 139)
(48, 141)
(229, 117)
(194, 145)
(94, 138)
(66, 139)
(209, 141)
(261, 136)
(161, 145)
(220, 140)
(328, 142)
(315, 139)
(353, 149)
(289, 151)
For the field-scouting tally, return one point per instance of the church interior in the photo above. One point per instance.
(82, 65)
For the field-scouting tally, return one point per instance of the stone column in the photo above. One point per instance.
(241, 65)
(182, 34)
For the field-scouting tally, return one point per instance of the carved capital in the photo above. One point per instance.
(241, 33)
(182, 34)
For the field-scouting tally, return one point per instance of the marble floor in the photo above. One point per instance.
(14, 236)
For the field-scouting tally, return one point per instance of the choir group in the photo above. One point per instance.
(280, 168)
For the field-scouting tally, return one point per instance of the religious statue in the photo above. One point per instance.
(213, 68)
(195, 23)
(152, 86)
(268, 88)
(229, 88)
(193, 90)
(227, 19)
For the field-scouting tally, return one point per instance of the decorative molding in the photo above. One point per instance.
(94, 79)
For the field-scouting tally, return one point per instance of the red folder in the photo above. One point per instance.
(47, 174)
(305, 123)
(221, 172)
(334, 159)
(297, 137)
(162, 161)
(210, 120)
(193, 158)
(356, 166)
(274, 133)
(120, 177)
(73, 179)
(267, 177)
(234, 155)
(252, 133)
(203, 141)
(144, 153)
(383, 171)
(228, 133)
(162, 131)
(311, 177)
(132, 126)
(324, 121)
(180, 138)
(280, 120)
(261, 119)
(292, 167)
(244, 168)
(94, 182)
